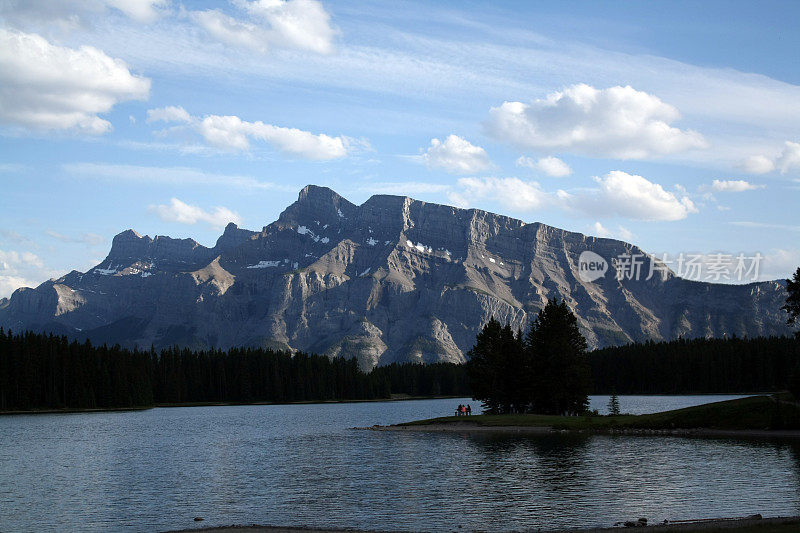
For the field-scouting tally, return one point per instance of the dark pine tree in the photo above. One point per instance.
(561, 377)
(496, 369)
(613, 405)
(793, 300)
(484, 368)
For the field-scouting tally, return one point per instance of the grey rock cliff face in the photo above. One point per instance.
(392, 280)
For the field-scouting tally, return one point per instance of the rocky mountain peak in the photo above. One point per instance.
(394, 279)
(389, 211)
(128, 245)
(317, 193)
(320, 203)
(232, 237)
(127, 236)
(387, 201)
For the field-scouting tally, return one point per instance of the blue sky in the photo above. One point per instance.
(672, 125)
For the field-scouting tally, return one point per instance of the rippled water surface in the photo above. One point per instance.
(302, 465)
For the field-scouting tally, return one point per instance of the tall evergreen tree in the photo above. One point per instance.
(484, 368)
(547, 371)
(793, 300)
(561, 377)
(613, 405)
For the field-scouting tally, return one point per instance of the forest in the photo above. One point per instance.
(41, 371)
(544, 371)
(681, 366)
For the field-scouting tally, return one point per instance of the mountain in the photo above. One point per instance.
(394, 279)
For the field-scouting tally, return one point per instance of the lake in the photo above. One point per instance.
(302, 465)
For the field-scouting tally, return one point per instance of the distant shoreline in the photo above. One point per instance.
(466, 427)
(394, 398)
(743, 525)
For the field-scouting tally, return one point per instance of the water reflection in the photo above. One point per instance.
(551, 461)
(300, 465)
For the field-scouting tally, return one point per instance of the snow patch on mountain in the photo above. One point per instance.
(265, 264)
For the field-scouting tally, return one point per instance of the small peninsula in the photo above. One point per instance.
(765, 415)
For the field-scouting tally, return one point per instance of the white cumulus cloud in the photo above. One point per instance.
(551, 166)
(456, 155)
(168, 114)
(618, 122)
(758, 164)
(183, 213)
(144, 11)
(232, 133)
(232, 31)
(9, 283)
(598, 229)
(785, 162)
(779, 264)
(510, 192)
(790, 158)
(298, 24)
(734, 186)
(601, 231)
(69, 14)
(44, 86)
(21, 269)
(630, 196)
(11, 259)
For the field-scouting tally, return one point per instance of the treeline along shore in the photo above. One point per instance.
(733, 365)
(44, 372)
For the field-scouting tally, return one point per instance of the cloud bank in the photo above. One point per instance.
(618, 122)
(73, 13)
(43, 86)
(19, 269)
(232, 133)
(630, 196)
(785, 162)
(183, 213)
(456, 155)
(512, 193)
(551, 166)
(298, 24)
(601, 231)
(734, 186)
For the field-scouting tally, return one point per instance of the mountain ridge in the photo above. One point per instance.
(392, 279)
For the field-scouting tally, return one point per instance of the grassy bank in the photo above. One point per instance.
(753, 413)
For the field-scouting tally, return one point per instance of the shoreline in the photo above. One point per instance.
(466, 427)
(744, 524)
(70, 410)
(393, 398)
(752, 416)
